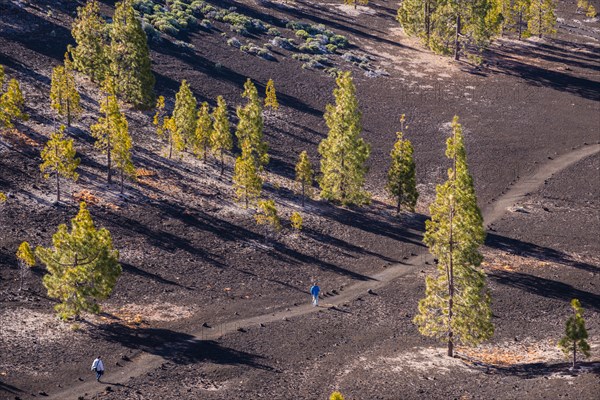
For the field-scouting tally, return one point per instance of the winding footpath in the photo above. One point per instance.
(147, 362)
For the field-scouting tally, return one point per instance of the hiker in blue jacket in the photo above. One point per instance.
(98, 368)
(314, 291)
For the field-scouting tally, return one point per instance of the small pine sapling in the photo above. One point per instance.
(12, 105)
(122, 145)
(296, 221)
(267, 215)
(26, 260)
(336, 396)
(401, 176)
(271, 96)
(59, 159)
(159, 117)
(246, 179)
(64, 97)
(575, 334)
(184, 116)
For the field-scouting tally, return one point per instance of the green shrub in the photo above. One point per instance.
(301, 33)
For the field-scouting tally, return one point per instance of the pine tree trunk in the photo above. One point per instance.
(68, 113)
(426, 17)
(170, 145)
(398, 204)
(303, 191)
(540, 21)
(122, 181)
(456, 39)
(574, 353)
(222, 163)
(520, 23)
(109, 176)
(57, 188)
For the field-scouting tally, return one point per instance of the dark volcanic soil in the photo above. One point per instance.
(190, 255)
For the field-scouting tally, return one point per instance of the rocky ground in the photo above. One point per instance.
(192, 256)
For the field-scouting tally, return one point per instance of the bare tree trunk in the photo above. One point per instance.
(222, 163)
(303, 193)
(456, 39)
(122, 181)
(109, 177)
(574, 353)
(520, 23)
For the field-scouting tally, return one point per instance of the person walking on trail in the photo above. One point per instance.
(98, 367)
(314, 291)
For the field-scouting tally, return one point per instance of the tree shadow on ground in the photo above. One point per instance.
(5, 387)
(531, 250)
(545, 288)
(177, 347)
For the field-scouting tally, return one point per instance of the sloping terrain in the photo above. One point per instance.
(191, 256)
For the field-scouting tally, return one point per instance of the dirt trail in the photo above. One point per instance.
(147, 362)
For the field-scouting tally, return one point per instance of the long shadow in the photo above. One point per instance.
(177, 347)
(148, 275)
(537, 76)
(5, 387)
(546, 288)
(525, 249)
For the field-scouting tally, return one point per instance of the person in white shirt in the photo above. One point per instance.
(98, 366)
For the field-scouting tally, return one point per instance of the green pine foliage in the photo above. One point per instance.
(221, 140)
(402, 185)
(130, 63)
(355, 3)
(204, 128)
(2, 77)
(90, 31)
(576, 335)
(456, 307)
(247, 182)
(250, 126)
(296, 221)
(26, 260)
(267, 215)
(336, 396)
(12, 105)
(109, 127)
(541, 17)
(64, 97)
(304, 175)
(159, 117)
(451, 26)
(82, 266)
(271, 96)
(58, 156)
(343, 152)
(184, 117)
(121, 151)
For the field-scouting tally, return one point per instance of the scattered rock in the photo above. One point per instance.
(205, 325)
(42, 393)
(125, 358)
(370, 291)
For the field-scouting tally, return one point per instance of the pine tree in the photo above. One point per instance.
(64, 97)
(250, 125)
(159, 116)
(542, 17)
(204, 128)
(575, 334)
(221, 135)
(356, 2)
(343, 152)
(402, 185)
(91, 35)
(26, 260)
(450, 26)
(12, 104)
(2, 77)
(121, 151)
(267, 215)
(456, 307)
(82, 266)
(130, 62)
(304, 175)
(296, 221)
(246, 179)
(184, 116)
(271, 96)
(336, 396)
(108, 128)
(520, 9)
(59, 159)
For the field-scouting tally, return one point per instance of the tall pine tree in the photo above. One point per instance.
(343, 152)
(541, 17)
(204, 128)
(250, 126)
(221, 135)
(82, 266)
(304, 175)
(184, 117)
(58, 157)
(402, 185)
(64, 97)
(109, 127)
(121, 151)
(247, 182)
(271, 96)
(456, 307)
(90, 31)
(130, 63)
